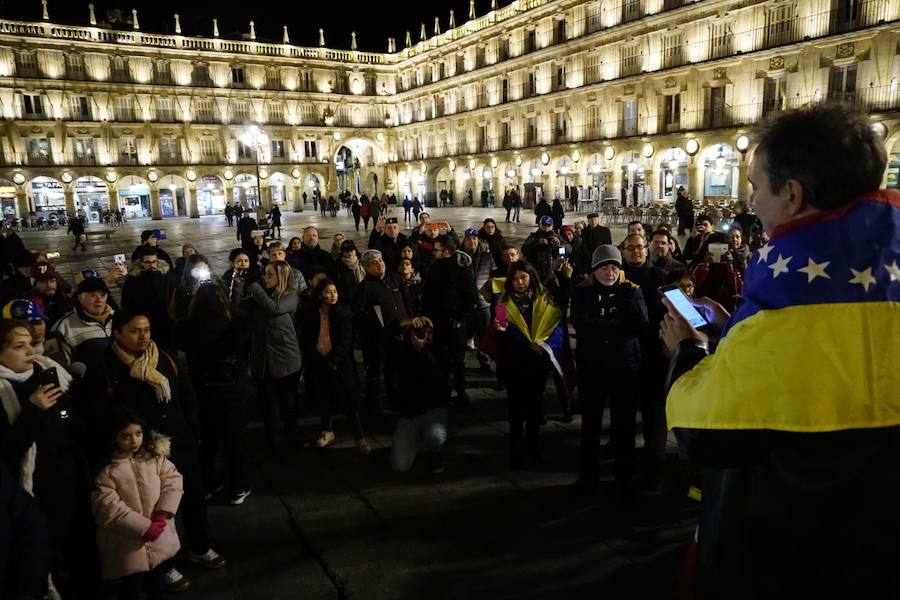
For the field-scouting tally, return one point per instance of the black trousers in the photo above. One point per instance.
(381, 374)
(277, 395)
(222, 421)
(653, 408)
(152, 583)
(594, 393)
(193, 503)
(452, 342)
(525, 393)
(335, 396)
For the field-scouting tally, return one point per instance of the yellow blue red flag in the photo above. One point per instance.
(815, 344)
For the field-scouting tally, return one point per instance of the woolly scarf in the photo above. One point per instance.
(353, 264)
(143, 368)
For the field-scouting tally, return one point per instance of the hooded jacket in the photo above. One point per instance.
(126, 494)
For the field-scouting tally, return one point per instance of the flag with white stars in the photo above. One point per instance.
(814, 344)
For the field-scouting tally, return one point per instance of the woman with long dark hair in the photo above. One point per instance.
(326, 338)
(531, 336)
(274, 352)
(196, 271)
(213, 336)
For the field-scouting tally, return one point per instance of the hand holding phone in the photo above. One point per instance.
(501, 316)
(45, 396)
(683, 305)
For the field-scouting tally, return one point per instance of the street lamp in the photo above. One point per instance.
(255, 138)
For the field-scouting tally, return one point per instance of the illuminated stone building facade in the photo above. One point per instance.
(611, 98)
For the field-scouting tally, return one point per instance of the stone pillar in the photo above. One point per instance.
(298, 198)
(242, 197)
(229, 195)
(113, 196)
(695, 180)
(743, 183)
(651, 182)
(70, 199)
(155, 206)
(190, 200)
(22, 203)
(265, 197)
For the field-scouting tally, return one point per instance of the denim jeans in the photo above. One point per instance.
(428, 431)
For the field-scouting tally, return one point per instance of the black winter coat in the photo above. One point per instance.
(25, 551)
(425, 383)
(449, 292)
(110, 385)
(61, 473)
(337, 370)
(390, 249)
(608, 321)
(306, 258)
(216, 353)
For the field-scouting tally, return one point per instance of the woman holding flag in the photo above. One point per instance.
(529, 325)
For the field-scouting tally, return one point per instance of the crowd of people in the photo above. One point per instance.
(116, 413)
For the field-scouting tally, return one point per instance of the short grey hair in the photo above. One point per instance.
(368, 256)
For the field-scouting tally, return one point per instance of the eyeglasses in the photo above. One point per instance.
(634, 248)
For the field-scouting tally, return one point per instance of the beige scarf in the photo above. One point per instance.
(143, 368)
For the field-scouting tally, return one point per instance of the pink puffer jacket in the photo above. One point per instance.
(126, 494)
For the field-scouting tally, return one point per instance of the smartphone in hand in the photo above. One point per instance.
(683, 305)
(501, 315)
(48, 377)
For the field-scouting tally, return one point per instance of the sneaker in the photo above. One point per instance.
(325, 438)
(218, 487)
(239, 496)
(470, 344)
(176, 582)
(209, 559)
(362, 446)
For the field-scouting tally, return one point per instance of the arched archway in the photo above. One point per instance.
(354, 161)
(211, 195)
(45, 195)
(91, 197)
(173, 193)
(246, 190)
(134, 197)
(892, 177)
(720, 172)
(632, 179)
(279, 188)
(7, 198)
(673, 171)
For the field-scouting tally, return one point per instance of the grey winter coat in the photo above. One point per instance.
(274, 350)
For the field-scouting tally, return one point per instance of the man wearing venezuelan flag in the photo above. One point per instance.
(796, 416)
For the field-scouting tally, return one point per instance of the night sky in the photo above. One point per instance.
(372, 21)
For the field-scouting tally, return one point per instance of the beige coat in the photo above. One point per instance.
(126, 494)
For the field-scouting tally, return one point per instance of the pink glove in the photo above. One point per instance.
(155, 530)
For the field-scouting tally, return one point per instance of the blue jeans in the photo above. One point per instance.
(427, 431)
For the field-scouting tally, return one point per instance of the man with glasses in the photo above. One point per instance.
(148, 290)
(640, 271)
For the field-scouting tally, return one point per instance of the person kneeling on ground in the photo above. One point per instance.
(424, 395)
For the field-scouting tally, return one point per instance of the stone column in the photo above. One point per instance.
(22, 203)
(265, 197)
(743, 183)
(695, 179)
(651, 182)
(298, 198)
(70, 199)
(155, 206)
(190, 200)
(242, 196)
(229, 195)
(113, 196)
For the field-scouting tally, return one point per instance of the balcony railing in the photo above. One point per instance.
(127, 159)
(83, 160)
(170, 159)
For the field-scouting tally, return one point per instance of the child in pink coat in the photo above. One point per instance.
(134, 503)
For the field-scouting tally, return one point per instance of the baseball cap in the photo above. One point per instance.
(546, 220)
(348, 245)
(24, 311)
(91, 284)
(86, 274)
(42, 271)
(606, 253)
(471, 231)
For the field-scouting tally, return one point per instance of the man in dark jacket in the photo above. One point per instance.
(685, 211)
(661, 252)
(609, 316)
(76, 228)
(702, 231)
(795, 415)
(148, 290)
(543, 235)
(641, 272)
(449, 299)
(381, 310)
(310, 255)
(390, 242)
(245, 227)
(149, 240)
(592, 236)
(747, 221)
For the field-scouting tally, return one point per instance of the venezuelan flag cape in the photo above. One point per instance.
(546, 326)
(816, 344)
